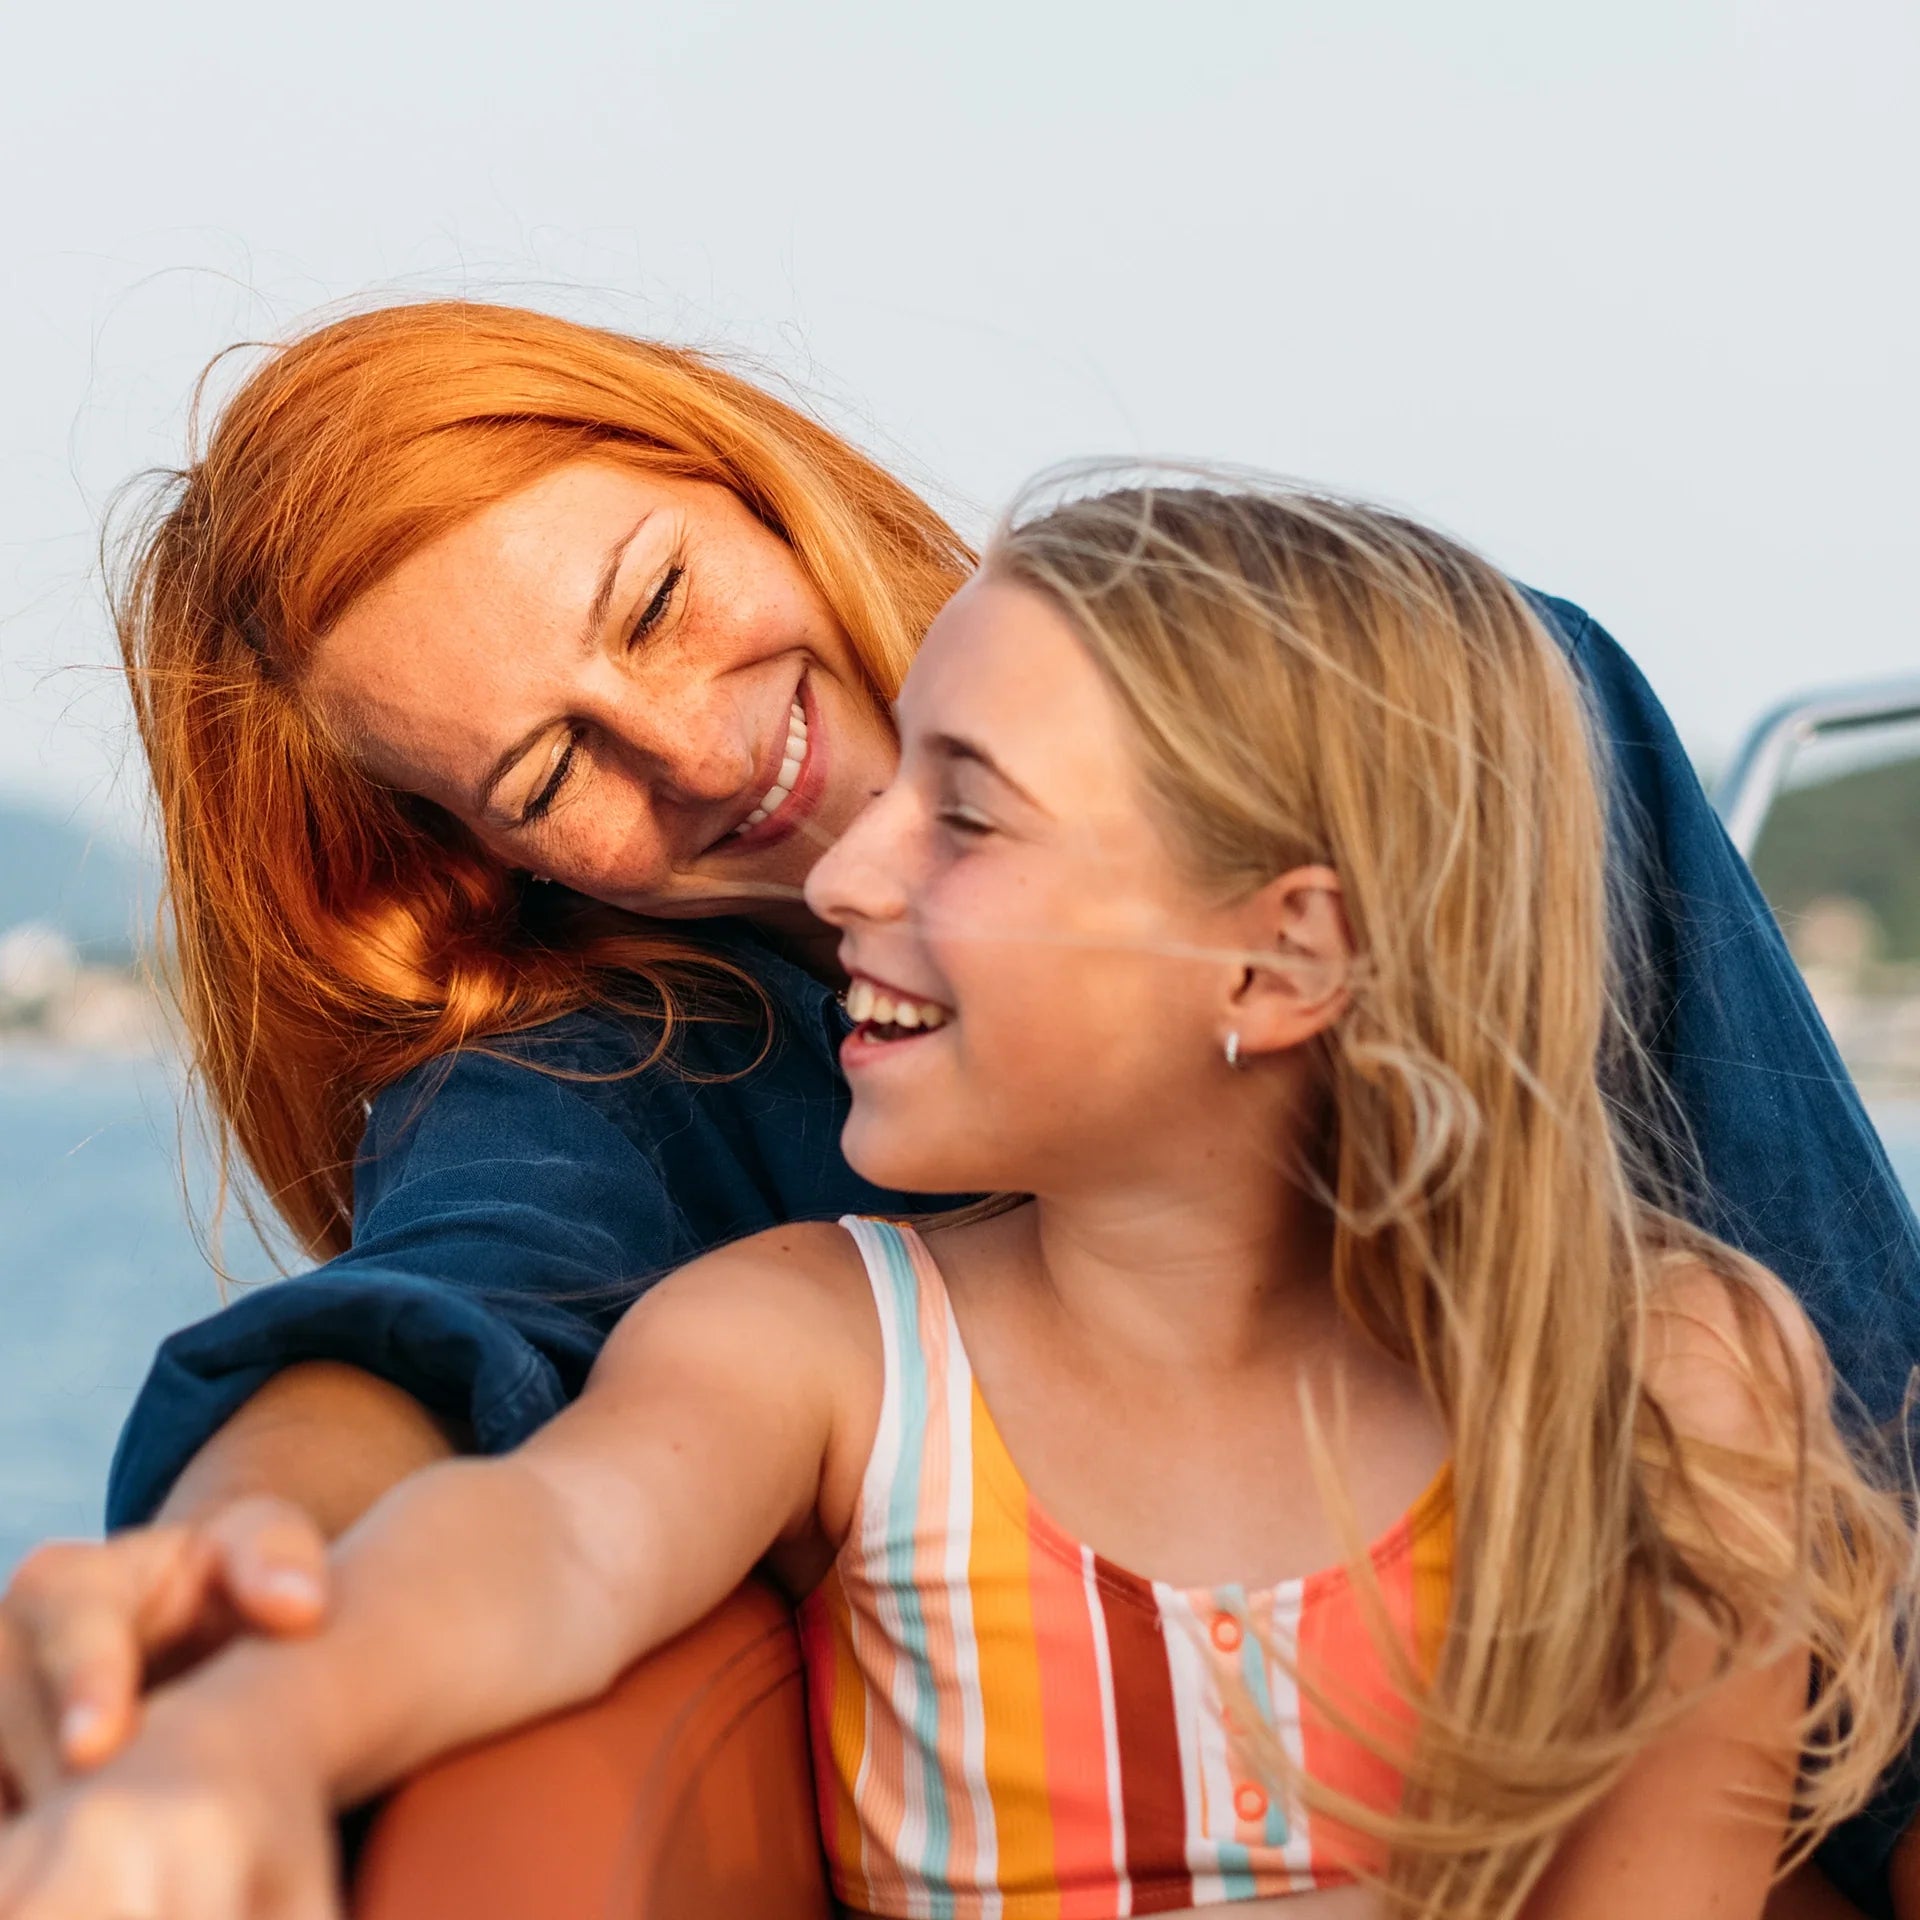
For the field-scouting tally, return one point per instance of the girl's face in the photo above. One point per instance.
(1068, 987)
(619, 680)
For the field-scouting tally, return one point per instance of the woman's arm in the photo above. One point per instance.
(323, 1437)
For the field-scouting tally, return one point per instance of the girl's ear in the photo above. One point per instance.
(1301, 918)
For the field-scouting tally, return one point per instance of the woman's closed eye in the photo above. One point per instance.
(645, 623)
(655, 610)
(542, 802)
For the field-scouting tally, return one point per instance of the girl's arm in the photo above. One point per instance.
(1696, 1825)
(501, 1196)
(483, 1593)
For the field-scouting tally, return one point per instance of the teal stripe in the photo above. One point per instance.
(903, 1521)
(1253, 1661)
(1233, 1859)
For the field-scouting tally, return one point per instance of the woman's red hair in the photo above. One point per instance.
(329, 934)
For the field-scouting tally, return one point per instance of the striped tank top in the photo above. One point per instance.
(1007, 1726)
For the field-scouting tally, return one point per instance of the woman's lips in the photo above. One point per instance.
(803, 793)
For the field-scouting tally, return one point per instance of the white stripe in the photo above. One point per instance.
(1298, 1852)
(1206, 1781)
(911, 1850)
(1109, 1733)
(985, 1869)
(883, 1464)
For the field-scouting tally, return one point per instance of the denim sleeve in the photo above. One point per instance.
(1794, 1173)
(501, 1221)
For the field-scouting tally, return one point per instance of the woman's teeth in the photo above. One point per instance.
(868, 1005)
(791, 762)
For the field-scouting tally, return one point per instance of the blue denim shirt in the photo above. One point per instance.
(507, 1203)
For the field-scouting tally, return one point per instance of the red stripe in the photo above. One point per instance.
(1152, 1799)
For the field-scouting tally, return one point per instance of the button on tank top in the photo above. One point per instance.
(1008, 1726)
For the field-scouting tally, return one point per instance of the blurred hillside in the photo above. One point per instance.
(63, 876)
(1853, 837)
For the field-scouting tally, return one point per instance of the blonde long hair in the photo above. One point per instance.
(1310, 680)
(329, 935)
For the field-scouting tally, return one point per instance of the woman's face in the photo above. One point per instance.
(622, 681)
(1067, 983)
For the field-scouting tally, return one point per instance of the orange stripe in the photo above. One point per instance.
(838, 1729)
(1346, 1674)
(1432, 1591)
(1000, 1576)
(1074, 1735)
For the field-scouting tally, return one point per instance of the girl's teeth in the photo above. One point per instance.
(867, 1003)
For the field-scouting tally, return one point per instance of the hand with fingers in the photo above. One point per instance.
(206, 1815)
(86, 1626)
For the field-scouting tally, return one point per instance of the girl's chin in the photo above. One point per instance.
(877, 1152)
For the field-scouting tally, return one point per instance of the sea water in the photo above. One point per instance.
(98, 1263)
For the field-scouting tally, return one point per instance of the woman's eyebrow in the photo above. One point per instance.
(953, 746)
(609, 576)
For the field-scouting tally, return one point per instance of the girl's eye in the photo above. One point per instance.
(655, 610)
(542, 802)
(965, 820)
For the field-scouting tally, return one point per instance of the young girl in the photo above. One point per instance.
(1332, 1483)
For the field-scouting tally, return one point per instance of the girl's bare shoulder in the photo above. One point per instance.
(794, 1297)
(1729, 1349)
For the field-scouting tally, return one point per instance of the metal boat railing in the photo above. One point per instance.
(1746, 792)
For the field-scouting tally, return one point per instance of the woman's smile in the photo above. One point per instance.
(712, 732)
(792, 795)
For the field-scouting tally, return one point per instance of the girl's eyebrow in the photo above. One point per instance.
(953, 746)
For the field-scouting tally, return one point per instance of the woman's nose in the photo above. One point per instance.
(866, 873)
(691, 744)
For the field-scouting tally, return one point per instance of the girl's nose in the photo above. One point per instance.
(866, 875)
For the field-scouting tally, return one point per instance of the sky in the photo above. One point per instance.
(1623, 295)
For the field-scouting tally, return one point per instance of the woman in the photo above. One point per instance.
(469, 624)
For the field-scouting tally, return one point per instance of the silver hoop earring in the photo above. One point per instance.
(1233, 1048)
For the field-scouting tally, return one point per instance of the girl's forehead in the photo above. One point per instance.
(1002, 669)
(997, 646)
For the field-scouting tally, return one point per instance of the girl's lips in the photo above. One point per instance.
(859, 1052)
(809, 785)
